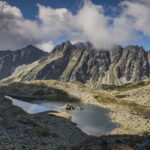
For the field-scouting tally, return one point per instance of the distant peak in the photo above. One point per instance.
(134, 47)
(84, 44)
(30, 46)
(116, 46)
(67, 43)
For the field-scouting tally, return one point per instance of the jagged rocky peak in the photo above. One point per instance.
(67, 43)
(115, 53)
(83, 63)
(81, 45)
(10, 60)
(68, 46)
(133, 64)
(135, 52)
(30, 46)
(62, 47)
(134, 49)
(4, 53)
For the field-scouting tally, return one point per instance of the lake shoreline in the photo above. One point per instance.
(43, 131)
(91, 119)
(129, 122)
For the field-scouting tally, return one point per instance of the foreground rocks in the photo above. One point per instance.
(21, 131)
(45, 131)
(117, 142)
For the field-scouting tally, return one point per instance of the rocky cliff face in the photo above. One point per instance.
(133, 64)
(10, 60)
(82, 63)
(148, 56)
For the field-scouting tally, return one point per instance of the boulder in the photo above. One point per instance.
(69, 107)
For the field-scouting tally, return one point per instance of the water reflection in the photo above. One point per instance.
(30, 108)
(92, 120)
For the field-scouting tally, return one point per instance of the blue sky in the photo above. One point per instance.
(111, 8)
(30, 10)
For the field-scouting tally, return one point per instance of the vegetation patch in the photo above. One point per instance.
(126, 87)
(133, 107)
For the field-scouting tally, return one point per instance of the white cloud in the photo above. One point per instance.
(47, 47)
(93, 24)
(9, 10)
(15, 31)
(89, 24)
(139, 12)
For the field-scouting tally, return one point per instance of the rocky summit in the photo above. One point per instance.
(10, 60)
(83, 63)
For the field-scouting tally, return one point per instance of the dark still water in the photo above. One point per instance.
(93, 120)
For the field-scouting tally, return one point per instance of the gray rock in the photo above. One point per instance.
(9, 60)
(19, 130)
(82, 63)
(71, 107)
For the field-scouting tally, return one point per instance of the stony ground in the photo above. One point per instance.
(21, 131)
(139, 95)
(115, 142)
(129, 122)
(62, 134)
(129, 119)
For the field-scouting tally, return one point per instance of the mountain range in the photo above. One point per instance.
(79, 62)
(10, 60)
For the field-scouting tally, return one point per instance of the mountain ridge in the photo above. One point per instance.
(82, 63)
(10, 60)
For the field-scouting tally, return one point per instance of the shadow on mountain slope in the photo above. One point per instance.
(33, 91)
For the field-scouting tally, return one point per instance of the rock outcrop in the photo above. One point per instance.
(82, 63)
(10, 60)
(19, 130)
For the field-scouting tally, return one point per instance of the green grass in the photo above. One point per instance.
(126, 87)
(133, 107)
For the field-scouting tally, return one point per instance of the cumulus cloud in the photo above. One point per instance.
(15, 31)
(139, 13)
(47, 47)
(89, 24)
